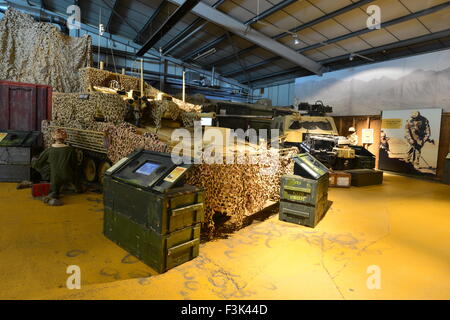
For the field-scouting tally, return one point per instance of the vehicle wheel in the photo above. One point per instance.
(102, 168)
(80, 156)
(89, 169)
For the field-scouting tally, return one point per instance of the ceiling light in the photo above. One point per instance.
(351, 57)
(296, 39)
(205, 54)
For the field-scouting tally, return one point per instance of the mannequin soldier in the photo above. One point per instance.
(417, 134)
(353, 137)
(63, 163)
(384, 141)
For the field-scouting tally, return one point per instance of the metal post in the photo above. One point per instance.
(142, 77)
(184, 86)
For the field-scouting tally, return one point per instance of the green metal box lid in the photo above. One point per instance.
(309, 167)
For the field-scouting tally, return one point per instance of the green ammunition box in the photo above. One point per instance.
(365, 162)
(307, 191)
(366, 177)
(160, 252)
(163, 213)
(303, 214)
(364, 158)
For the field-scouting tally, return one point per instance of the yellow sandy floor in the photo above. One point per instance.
(402, 227)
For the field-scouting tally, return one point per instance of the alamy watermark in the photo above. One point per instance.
(74, 280)
(374, 20)
(374, 280)
(74, 18)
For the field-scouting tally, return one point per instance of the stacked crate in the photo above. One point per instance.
(161, 229)
(304, 195)
(16, 151)
(364, 159)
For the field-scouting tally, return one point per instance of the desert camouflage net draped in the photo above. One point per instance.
(70, 106)
(240, 190)
(122, 139)
(91, 77)
(174, 109)
(36, 52)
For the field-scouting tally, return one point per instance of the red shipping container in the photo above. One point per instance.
(23, 106)
(40, 190)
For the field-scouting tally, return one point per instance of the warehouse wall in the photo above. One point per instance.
(374, 122)
(421, 81)
(281, 95)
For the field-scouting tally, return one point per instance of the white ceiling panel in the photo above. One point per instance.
(378, 38)
(437, 21)
(408, 29)
(303, 11)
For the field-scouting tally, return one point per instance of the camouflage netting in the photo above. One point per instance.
(36, 52)
(91, 77)
(69, 107)
(240, 190)
(175, 110)
(122, 138)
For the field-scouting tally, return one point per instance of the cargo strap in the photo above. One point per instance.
(183, 246)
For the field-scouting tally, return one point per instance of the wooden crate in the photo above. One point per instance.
(340, 179)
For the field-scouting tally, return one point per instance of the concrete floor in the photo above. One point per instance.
(403, 227)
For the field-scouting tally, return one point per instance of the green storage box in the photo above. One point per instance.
(364, 159)
(446, 177)
(161, 252)
(163, 213)
(303, 214)
(364, 162)
(366, 177)
(307, 191)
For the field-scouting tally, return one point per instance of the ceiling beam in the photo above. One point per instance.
(345, 36)
(222, 38)
(189, 32)
(411, 16)
(237, 27)
(115, 5)
(184, 8)
(251, 67)
(381, 50)
(205, 48)
(395, 45)
(148, 25)
(325, 17)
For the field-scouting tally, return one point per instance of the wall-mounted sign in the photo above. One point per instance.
(367, 136)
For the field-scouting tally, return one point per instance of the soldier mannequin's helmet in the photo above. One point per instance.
(59, 135)
(415, 114)
(351, 129)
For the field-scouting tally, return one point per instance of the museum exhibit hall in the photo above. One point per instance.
(234, 158)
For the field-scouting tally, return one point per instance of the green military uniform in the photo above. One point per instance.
(62, 161)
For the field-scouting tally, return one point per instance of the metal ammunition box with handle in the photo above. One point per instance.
(304, 195)
(150, 212)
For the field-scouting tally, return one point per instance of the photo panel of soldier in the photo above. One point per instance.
(410, 141)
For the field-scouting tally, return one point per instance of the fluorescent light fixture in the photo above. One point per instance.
(205, 54)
